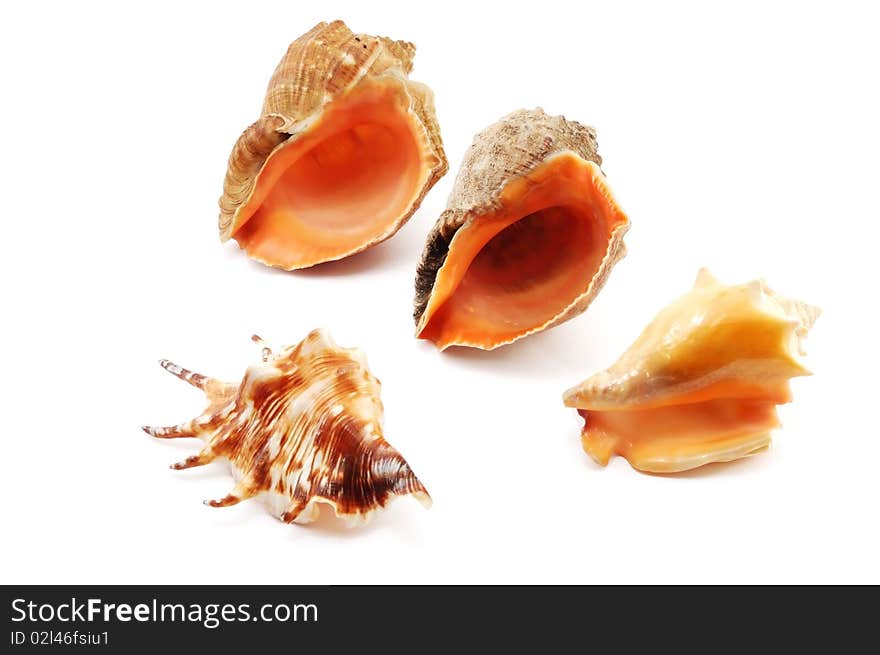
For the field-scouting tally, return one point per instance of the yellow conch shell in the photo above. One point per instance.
(701, 383)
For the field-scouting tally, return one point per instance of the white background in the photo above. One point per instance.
(742, 138)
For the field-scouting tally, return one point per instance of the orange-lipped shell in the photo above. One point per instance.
(303, 427)
(344, 151)
(701, 383)
(529, 236)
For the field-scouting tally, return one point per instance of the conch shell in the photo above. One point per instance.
(529, 236)
(304, 427)
(701, 383)
(344, 151)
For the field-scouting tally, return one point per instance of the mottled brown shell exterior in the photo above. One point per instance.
(303, 427)
(510, 148)
(318, 67)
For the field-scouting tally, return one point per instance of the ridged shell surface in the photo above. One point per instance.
(303, 427)
(505, 163)
(324, 68)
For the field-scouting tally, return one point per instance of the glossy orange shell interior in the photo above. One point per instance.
(342, 185)
(683, 435)
(519, 267)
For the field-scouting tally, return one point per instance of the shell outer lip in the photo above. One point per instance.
(334, 44)
(456, 220)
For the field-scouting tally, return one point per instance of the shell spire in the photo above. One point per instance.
(529, 236)
(344, 151)
(303, 427)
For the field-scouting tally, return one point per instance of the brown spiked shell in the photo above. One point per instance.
(303, 427)
(344, 151)
(529, 236)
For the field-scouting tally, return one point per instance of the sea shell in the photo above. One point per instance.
(304, 427)
(529, 236)
(344, 151)
(701, 383)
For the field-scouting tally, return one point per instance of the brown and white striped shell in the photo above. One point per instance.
(303, 427)
(344, 151)
(529, 236)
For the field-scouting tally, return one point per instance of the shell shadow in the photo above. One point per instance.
(352, 265)
(377, 256)
(562, 352)
(240, 516)
(753, 462)
(329, 525)
(400, 251)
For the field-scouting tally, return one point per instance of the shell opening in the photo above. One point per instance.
(341, 186)
(680, 437)
(525, 275)
(517, 269)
